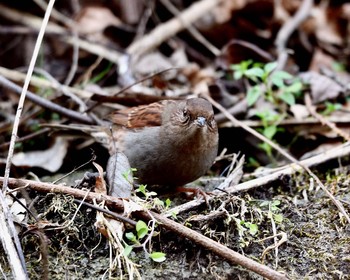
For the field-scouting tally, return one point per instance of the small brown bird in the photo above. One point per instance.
(170, 143)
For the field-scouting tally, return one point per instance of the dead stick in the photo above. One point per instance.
(217, 248)
(322, 119)
(192, 235)
(47, 103)
(288, 28)
(168, 29)
(282, 152)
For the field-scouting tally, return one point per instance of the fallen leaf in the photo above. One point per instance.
(50, 159)
(119, 176)
(299, 111)
(322, 87)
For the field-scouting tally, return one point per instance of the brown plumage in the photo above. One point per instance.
(168, 142)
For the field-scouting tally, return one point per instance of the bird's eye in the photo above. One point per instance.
(185, 113)
(185, 116)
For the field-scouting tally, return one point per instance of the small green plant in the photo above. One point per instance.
(143, 189)
(330, 108)
(128, 175)
(101, 75)
(270, 121)
(267, 83)
(275, 86)
(150, 200)
(142, 231)
(243, 228)
(273, 210)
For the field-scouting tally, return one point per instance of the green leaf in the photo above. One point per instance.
(266, 147)
(270, 131)
(278, 78)
(339, 67)
(142, 189)
(254, 72)
(287, 97)
(130, 236)
(151, 194)
(278, 218)
(274, 205)
(142, 229)
(264, 203)
(276, 202)
(331, 107)
(253, 95)
(174, 215)
(253, 228)
(157, 256)
(296, 87)
(127, 250)
(158, 202)
(167, 203)
(237, 75)
(269, 67)
(55, 117)
(282, 75)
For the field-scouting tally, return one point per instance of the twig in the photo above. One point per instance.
(27, 137)
(47, 104)
(10, 242)
(268, 176)
(108, 212)
(262, 53)
(287, 30)
(282, 152)
(194, 236)
(64, 90)
(42, 83)
(322, 119)
(75, 59)
(219, 249)
(191, 29)
(168, 29)
(34, 22)
(55, 14)
(9, 237)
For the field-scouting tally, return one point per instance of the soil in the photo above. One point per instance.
(317, 241)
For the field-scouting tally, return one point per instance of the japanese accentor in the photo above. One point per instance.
(169, 142)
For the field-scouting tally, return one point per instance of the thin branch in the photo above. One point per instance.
(34, 22)
(191, 29)
(168, 29)
(9, 235)
(287, 30)
(282, 152)
(322, 119)
(47, 104)
(116, 203)
(42, 83)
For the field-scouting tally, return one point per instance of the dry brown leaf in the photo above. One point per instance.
(151, 63)
(95, 19)
(299, 111)
(319, 60)
(50, 159)
(100, 184)
(119, 176)
(322, 87)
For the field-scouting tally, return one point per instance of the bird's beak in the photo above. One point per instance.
(201, 121)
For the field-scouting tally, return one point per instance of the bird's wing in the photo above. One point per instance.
(140, 116)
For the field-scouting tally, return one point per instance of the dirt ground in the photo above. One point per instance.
(316, 244)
